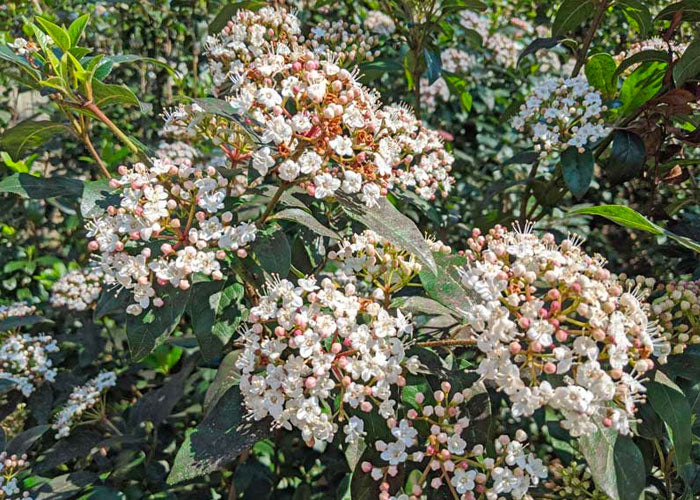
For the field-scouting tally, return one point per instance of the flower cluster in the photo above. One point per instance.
(375, 265)
(10, 467)
(654, 43)
(552, 312)
(316, 126)
(562, 113)
(24, 360)
(678, 313)
(504, 48)
(180, 207)
(380, 23)
(78, 289)
(446, 459)
(17, 309)
(249, 35)
(312, 347)
(82, 398)
(349, 43)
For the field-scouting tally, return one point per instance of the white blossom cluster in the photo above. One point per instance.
(553, 312)
(180, 207)
(375, 265)
(78, 289)
(678, 313)
(312, 347)
(379, 23)
(22, 47)
(10, 466)
(345, 42)
(24, 360)
(445, 457)
(562, 113)
(318, 127)
(249, 35)
(82, 398)
(16, 309)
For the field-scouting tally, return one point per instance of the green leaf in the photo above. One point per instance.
(600, 71)
(421, 305)
(622, 215)
(627, 157)
(538, 44)
(216, 442)
(641, 85)
(577, 169)
(637, 14)
(106, 94)
(670, 403)
(640, 57)
(375, 69)
(307, 220)
(150, 328)
(28, 135)
(28, 186)
(59, 35)
(690, 8)
(96, 197)
(628, 217)
(389, 223)
(213, 311)
(7, 54)
(76, 28)
(615, 462)
(107, 63)
(433, 65)
(12, 322)
(688, 66)
(445, 285)
(223, 17)
(156, 405)
(570, 15)
(458, 87)
(273, 252)
(227, 376)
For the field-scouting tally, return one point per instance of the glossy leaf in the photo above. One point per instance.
(638, 14)
(688, 66)
(571, 15)
(670, 403)
(29, 135)
(29, 186)
(627, 157)
(600, 71)
(538, 44)
(577, 169)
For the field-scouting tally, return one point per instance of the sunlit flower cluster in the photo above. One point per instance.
(82, 399)
(247, 36)
(10, 467)
(349, 43)
(562, 113)
(552, 312)
(17, 309)
(446, 460)
(78, 289)
(377, 267)
(24, 360)
(379, 23)
(678, 313)
(311, 347)
(170, 223)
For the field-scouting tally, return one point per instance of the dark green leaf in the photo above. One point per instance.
(65, 486)
(29, 135)
(688, 66)
(307, 220)
(227, 375)
(214, 314)
(97, 196)
(615, 462)
(13, 322)
(673, 408)
(389, 223)
(690, 8)
(24, 441)
(571, 15)
(577, 169)
(218, 439)
(627, 157)
(433, 65)
(150, 328)
(637, 13)
(539, 43)
(28, 186)
(458, 87)
(106, 94)
(155, 406)
(273, 252)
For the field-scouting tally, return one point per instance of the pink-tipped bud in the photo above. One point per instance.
(550, 368)
(93, 245)
(242, 253)
(366, 406)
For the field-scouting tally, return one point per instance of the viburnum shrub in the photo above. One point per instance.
(240, 254)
